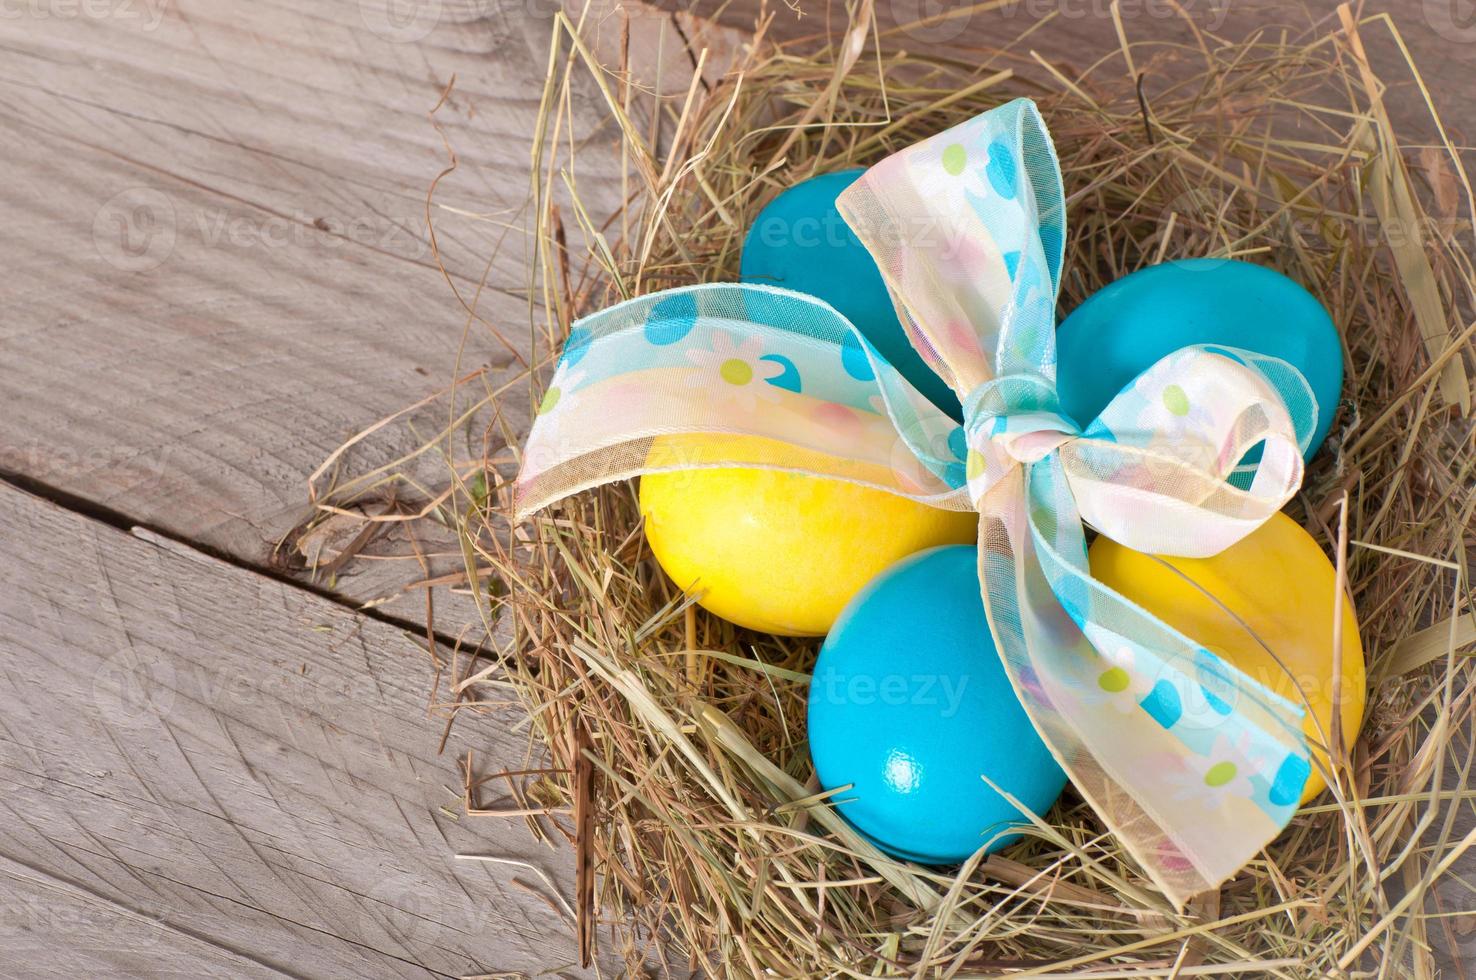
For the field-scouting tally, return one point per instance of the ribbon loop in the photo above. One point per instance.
(968, 231)
(1170, 443)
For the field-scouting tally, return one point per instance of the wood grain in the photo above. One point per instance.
(216, 249)
(207, 772)
(1077, 35)
(217, 270)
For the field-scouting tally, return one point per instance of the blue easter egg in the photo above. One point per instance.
(800, 242)
(1126, 327)
(911, 706)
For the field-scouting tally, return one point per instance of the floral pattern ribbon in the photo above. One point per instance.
(1191, 763)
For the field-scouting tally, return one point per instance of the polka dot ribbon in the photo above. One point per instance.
(1191, 763)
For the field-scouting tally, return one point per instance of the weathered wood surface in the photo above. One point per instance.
(217, 262)
(217, 270)
(1079, 34)
(208, 772)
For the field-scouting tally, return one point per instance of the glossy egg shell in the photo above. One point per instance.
(910, 704)
(1278, 581)
(800, 242)
(781, 552)
(1126, 327)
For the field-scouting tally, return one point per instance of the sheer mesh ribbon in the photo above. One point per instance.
(1191, 763)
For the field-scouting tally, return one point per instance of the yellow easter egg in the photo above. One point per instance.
(1281, 585)
(776, 551)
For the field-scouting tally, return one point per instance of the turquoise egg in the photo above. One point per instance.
(800, 242)
(1126, 327)
(910, 705)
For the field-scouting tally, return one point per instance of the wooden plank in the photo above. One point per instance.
(217, 271)
(204, 771)
(292, 115)
(54, 928)
(196, 397)
(217, 264)
(1079, 34)
(217, 260)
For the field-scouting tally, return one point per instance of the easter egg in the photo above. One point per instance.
(1126, 327)
(782, 552)
(1277, 582)
(911, 707)
(801, 242)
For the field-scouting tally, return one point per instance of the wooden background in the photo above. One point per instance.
(217, 271)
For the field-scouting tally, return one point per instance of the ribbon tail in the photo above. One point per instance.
(1187, 761)
(1158, 470)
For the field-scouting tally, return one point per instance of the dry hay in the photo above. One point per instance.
(676, 742)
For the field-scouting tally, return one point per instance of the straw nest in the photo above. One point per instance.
(677, 763)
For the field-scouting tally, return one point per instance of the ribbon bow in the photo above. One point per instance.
(1191, 763)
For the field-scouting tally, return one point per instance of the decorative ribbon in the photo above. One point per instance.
(1191, 763)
